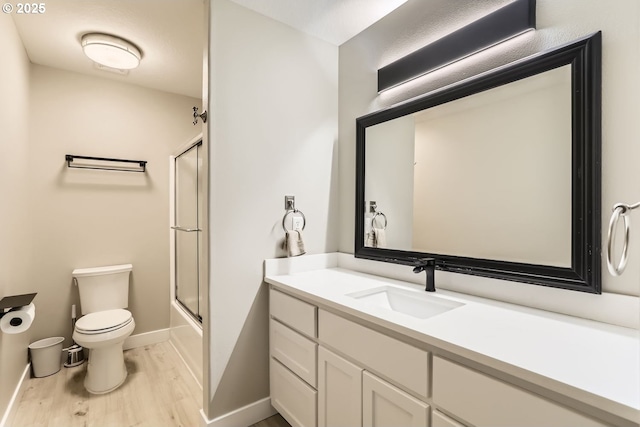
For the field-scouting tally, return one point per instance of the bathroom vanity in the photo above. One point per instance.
(354, 349)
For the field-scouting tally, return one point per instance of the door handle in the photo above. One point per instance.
(188, 230)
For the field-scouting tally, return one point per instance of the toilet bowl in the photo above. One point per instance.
(105, 324)
(103, 333)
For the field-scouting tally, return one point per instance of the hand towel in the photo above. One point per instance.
(293, 243)
(380, 237)
(370, 239)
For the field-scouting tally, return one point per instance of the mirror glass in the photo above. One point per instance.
(497, 176)
(479, 189)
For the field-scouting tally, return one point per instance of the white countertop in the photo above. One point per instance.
(591, 362)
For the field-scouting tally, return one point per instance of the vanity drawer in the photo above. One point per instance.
(292, 397)
(399, 362)
(438, 419)
(292, 312)
(485, 401)
(294, 351)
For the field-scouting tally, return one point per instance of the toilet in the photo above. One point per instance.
(104, 325)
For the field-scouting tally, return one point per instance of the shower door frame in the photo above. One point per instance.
(202, 226)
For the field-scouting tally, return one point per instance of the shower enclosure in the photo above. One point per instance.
(186, 228)
(188, 252)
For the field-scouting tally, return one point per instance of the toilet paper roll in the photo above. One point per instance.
(18, 320)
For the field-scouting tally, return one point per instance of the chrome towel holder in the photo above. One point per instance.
(619, 210)
(376, 215)
(290, 208)
(373, 207)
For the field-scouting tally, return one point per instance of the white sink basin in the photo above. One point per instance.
(419, 305)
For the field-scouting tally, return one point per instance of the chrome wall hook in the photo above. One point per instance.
(203, 116)
(289, 203)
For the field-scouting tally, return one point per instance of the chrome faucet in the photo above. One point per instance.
(429, 266)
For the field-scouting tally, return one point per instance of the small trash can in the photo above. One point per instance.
(46, 356)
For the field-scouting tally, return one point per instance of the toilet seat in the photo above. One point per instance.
(102, 322)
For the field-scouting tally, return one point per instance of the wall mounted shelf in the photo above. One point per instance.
(104, 163)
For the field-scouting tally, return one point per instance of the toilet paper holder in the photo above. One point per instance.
(15, 301)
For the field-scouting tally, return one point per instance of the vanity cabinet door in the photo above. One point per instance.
(384, 405)
(339, 391)
(403, 364)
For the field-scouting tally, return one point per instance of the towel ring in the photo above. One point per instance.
(619, 209)
(294, 211)
(373, 219)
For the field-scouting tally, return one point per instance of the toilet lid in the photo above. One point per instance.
(103, 321)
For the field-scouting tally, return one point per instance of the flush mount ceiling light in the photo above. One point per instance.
(509, 21)
(111, 51)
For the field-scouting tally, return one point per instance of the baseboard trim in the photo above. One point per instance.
(146, 338)
(242, 417)
(9, 413)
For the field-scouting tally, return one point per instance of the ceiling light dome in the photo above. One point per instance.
(111, 51)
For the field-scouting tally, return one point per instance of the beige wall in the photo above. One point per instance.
(481, 191)
(56, 219)
(87, 218)
(389, 178)
(14, 215)
(413, 25)
(273, 98)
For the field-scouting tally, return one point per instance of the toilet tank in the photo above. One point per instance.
(103, 288)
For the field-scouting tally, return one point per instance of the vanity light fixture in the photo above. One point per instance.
(507, 22)
(111, 51)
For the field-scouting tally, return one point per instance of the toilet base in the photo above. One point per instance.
(106, 370)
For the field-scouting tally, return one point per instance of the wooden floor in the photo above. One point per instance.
(158, 392)
(275, 421)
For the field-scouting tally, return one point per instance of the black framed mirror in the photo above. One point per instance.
(497, 176)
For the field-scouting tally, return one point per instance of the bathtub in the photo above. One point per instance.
(186, 337)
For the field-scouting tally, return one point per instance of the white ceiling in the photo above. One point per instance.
(335, 21)
(170, 33)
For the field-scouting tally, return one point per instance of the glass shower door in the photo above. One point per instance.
(187, 229)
